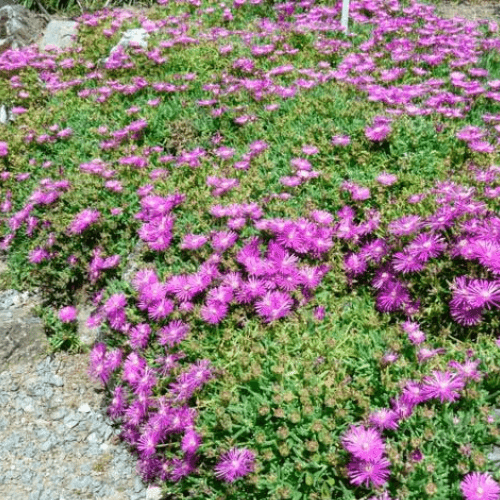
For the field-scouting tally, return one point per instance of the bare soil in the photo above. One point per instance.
(470, 10)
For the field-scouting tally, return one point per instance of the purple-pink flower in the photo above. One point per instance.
(236, 463)
(378, 132)
(387, 179)
(4, 150)
(443, 386)
(480, 486)
(365, 444)
(83, 220)
(67, 314)
(361, 472)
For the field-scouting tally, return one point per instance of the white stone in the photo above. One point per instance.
(494, 455)
(153, 493)
(84, 408)
(88, 336)
(138, 37)
(58, 34)
(4, 115)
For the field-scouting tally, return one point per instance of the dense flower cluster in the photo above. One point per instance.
(269, 275)
(157, 229)
(83, 220)
(461, 229)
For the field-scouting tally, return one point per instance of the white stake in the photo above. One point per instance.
(345, 14)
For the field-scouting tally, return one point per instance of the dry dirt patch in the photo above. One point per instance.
(471, 10)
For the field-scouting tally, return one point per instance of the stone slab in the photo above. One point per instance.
(59, 34)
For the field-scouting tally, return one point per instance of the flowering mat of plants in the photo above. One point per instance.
(308, 218)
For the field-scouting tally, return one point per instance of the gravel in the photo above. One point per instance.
(56, 442)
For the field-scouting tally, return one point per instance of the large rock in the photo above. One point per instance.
(22, 335)
(494, 455)
(88, 336)
(134, 37)
(58, 33)
(18, 26)
(5, 117)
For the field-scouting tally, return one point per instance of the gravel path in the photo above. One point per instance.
(56, 442)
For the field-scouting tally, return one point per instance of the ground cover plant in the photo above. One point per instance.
(289, 235)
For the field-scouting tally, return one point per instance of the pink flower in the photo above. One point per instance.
(214, 312)
(114, 185)
(467, 370)
(375, 251)
(364, 444)
(4, 150)
(466, 315)
(116, 302)
(480, 486)
(404, 262)
(144, 278)
(83, 220)
(378, 132)
(322, 217)
(173, 333)
(117, 406)
(393, 296)
(341, 140)
(274, 305)
(481, 146)
(402, 407)
(426, 246)
(443, 386)
(364, 473)
(300, 164)
(319, 313)
(425, 353)
(384, 418)
(271, 107)
(38, 255)
(355, 264)
(389, 358)
(257, 147)
(224, 152)
(237, 462)
(360, 193)
(160, 310)
(412, 329)
(67, 314)
(309, 149)
(190, 442)
(139, 336)
(147, 443)
(182, 468)
(470, 133)
(223, 240)
(387, 179)
(484, 293)
(405, 225)
(412, 393)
